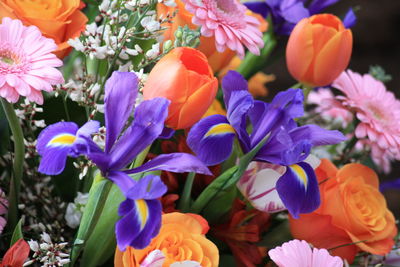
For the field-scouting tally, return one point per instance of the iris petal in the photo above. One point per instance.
(298, 189)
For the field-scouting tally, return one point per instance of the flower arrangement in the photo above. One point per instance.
(137, 133)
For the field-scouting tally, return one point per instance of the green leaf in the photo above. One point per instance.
(101, 244)
(17, 234)
(97, 198)
(223, 183)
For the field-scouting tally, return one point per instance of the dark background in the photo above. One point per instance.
(376, 42)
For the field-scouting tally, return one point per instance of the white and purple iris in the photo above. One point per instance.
(287, 145)
(141, 211)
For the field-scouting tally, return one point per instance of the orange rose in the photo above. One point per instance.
(352, 211)
(184, 77)
(59, 20)
(318, 50)
(216, 60)
(181, 238)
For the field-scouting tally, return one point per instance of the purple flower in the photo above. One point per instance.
(125, 140)
(287, 13)
(287, 144)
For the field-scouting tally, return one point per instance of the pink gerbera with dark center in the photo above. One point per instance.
(296, 253)
(27, 65)
(377, 109)
(228, 22)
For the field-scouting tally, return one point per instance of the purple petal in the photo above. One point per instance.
(128, 227)
(88, 128)
(149, 187)
(152, 226)
(120, 96)
(212, 139)
(122, 180)
(317, 136)
(53, 160)
(298, 189)
(295, 12)
(393, 184)
(291, 101)
(317, 6)
(350, 19)
(167, 133)
(174, 162)
(141, 222)
(147, 127)
(233, 81)
(258, 7)
(54, 130)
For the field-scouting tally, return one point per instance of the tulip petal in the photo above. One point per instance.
(212, 139)
(333, 58)
(174, 162)
(298, 189)
(147, 127)
(300, 50)
(120, 96)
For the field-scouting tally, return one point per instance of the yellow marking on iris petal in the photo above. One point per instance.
(143, 211)
(63, 139)
(221, 128)
(300, 172)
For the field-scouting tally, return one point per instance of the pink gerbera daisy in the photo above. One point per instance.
(377, 109)
(27, 65)
(228, 22)
(296, 253)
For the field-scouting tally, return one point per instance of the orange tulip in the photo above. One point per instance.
(353, 213)
(318, 50)
(59, 20)
(185, 78)
(16, 255)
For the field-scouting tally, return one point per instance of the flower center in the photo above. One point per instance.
(8, 57)
(376, 112)
(7, 60)
(227, 6)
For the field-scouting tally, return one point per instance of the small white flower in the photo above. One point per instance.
(39, 123)
(91, 29)
(154, 51)
(150, 24)
(74, 210)
(170, 3)
(34, 245)
(77, 44)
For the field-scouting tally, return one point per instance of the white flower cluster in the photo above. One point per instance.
(27, 111)
(47, 253)
(74, 211)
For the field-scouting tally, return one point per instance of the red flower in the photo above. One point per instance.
(16, 255)
(242, 232)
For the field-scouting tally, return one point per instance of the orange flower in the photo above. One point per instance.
(57, 19)
(181, 238)
(216, 60)
(16, 255)
(352, 211)
(184, 77)
(318, 50)
(242, 233)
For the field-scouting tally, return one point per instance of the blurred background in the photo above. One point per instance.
(376, 42)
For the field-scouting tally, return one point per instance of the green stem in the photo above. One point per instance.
(18, 163)
(306, 91)
(184, 202)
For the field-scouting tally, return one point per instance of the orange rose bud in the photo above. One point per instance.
(185, 78)
(181, 238)
(318, 50)
(59, 20)
(16, 255)
(353, 215)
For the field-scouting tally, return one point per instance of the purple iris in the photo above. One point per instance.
(124, 141)
(287, 13)
(287, 144)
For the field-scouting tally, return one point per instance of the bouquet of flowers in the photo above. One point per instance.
(138, 133)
